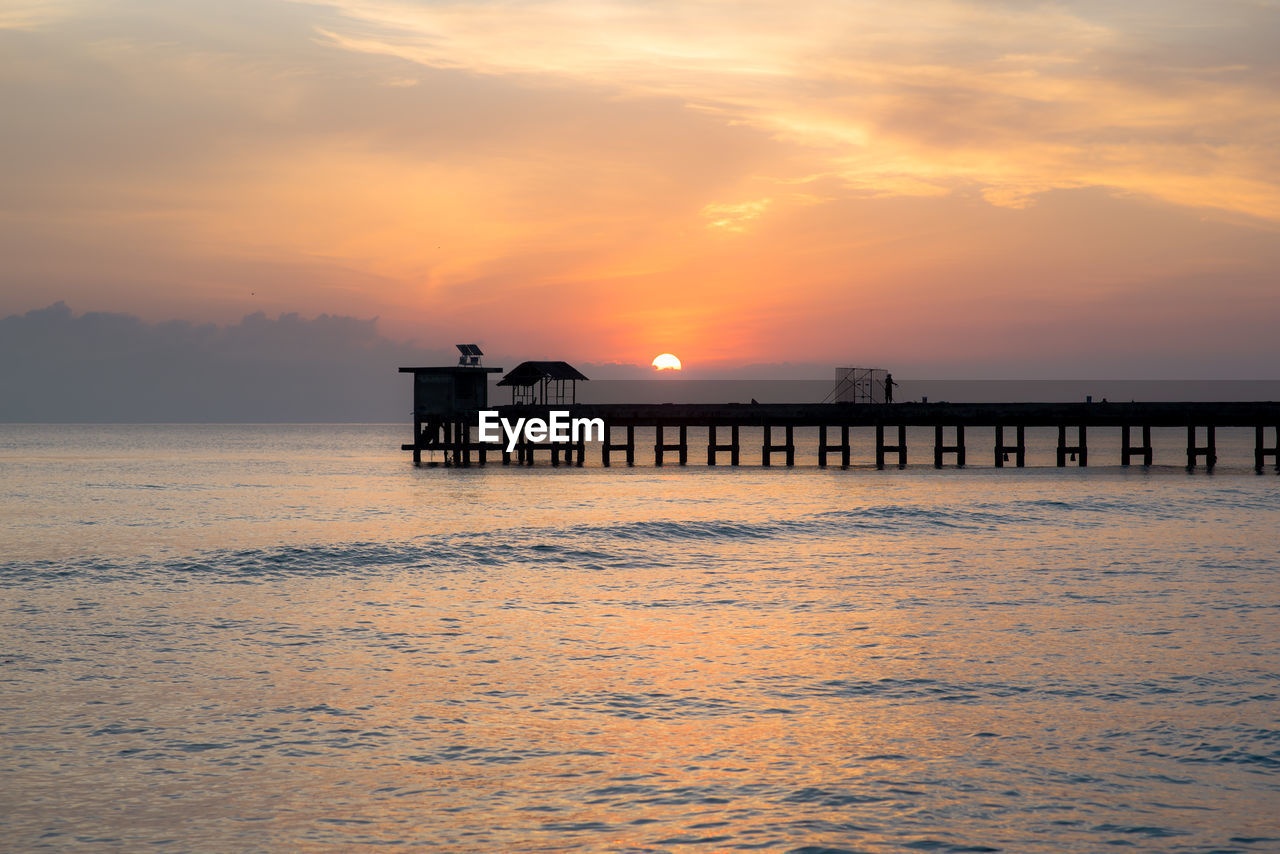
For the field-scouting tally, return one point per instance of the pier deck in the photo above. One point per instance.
(833, 422)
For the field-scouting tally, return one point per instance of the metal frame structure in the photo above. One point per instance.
(858, 385)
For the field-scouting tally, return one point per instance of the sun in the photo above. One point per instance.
(667, 362)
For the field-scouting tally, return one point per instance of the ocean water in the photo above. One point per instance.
(286, 638)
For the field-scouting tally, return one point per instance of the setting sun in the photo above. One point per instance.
(666, 362)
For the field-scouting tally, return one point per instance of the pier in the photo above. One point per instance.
(958, 428)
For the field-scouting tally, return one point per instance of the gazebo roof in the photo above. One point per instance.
(532, 373)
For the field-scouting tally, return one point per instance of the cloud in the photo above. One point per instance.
(1013, 99)
(29, 15)
(734, 217)
(57, 366)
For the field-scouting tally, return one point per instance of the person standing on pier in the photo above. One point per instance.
(888, 388)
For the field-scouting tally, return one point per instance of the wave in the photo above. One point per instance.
(586, 546)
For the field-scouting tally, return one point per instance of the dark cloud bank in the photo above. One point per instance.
(61, 367)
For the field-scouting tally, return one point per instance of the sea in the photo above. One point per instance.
(224, 638)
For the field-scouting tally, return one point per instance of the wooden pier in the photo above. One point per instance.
(954, 425)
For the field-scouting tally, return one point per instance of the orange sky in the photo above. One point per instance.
(938, 185)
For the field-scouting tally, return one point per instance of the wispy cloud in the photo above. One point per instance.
(911, 98)
(734, 217)
(32, 14)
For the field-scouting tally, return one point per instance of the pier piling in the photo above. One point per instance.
(714, 448)
(1128, 450)
(825, 447)
(1019, 450)
(769, 448)
(940, 449)
(900, 449)
(1078, 451)
(608, 446)
(1209, 450)
(1261, 451)
(681, 448)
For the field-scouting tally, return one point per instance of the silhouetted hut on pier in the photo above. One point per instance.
(543, 383)
(446, 401)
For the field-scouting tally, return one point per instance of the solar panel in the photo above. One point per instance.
(469, 349)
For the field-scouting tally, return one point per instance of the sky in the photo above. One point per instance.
(963, 189)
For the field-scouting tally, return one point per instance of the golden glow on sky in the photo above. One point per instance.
(922, 184)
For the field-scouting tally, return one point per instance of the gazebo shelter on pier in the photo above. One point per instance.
(543, 383)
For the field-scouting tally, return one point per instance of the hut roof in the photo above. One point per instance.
(530, 373)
